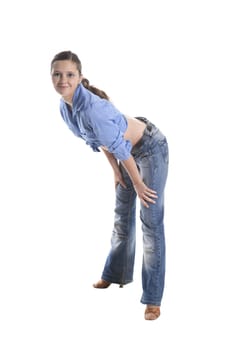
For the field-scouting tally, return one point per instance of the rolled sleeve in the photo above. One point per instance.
(107, 123)
(121, 149)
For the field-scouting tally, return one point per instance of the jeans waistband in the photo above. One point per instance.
(149, 125)
(151, 135)
(149, 131)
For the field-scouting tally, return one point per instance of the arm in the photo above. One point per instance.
(115, 166)
(112, 160)
(144, 193)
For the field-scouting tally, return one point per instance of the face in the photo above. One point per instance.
(65, 78)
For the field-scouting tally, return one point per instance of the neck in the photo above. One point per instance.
(70, 103)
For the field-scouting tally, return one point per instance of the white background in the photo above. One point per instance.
(174, 62)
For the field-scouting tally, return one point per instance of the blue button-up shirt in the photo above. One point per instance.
(98, 122)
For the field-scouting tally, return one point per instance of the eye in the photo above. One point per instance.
(56, 74)
(70, 75)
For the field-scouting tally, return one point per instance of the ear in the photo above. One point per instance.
(81, 78)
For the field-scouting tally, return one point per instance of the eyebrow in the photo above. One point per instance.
(68, 71)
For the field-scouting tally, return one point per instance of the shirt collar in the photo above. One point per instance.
(78, 99)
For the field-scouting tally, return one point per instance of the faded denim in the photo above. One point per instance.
(152, 157)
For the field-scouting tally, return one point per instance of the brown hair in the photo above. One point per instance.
(70, 56)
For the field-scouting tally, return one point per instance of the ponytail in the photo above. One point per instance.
(93, 89)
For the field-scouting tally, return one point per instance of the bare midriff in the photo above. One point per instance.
(134, 131)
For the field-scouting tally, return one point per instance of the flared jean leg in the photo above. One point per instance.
(154, 250)
(154, 170)
(119, 266)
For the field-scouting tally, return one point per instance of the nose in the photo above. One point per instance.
(63, 78)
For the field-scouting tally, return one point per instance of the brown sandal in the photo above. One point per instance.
(101, 284)
(152, 312)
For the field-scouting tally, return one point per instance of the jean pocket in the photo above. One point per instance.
(163, 144)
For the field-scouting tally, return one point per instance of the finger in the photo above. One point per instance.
(148, 199)
(150, 191)
(145, 203)
(150, 194)
(123, 184)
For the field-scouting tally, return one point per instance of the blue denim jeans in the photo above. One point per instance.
(151, 157)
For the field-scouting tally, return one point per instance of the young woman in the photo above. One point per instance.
(138, 154)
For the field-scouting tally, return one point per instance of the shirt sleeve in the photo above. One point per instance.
(108, 126)
(64, 113)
